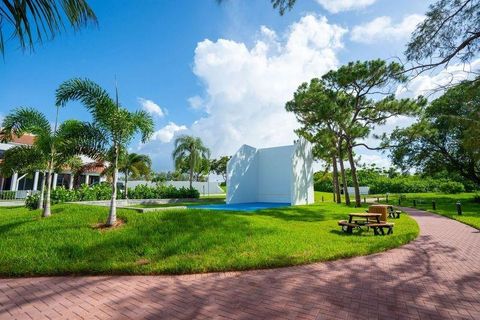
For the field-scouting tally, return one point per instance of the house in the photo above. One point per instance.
(275, 175)
(91, 172)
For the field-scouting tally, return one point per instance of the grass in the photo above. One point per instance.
(181, 241)
(445, 205)
(203, 200)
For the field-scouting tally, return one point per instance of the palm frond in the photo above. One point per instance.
(24, 120)
(90, 94)
(36, 20)
(76, 137)
(24, 159)
(144, 124)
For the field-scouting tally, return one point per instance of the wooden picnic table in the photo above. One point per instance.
(365, 215)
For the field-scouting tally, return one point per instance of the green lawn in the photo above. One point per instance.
(203, 200)
(445, 205)
(181, 241)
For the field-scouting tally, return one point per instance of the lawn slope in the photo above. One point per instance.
(181, 241)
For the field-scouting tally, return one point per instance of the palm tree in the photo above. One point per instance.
(191, 150)
(118, 125)
(25, 160)
(34, 20)
(51, 148)
(134, 164)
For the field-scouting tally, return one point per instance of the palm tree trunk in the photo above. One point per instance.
(358, 201)
(344, 178)
(112, 215)
(336, 185)
(126, 182)
(191, 171)
(46, 208)
(42, 192)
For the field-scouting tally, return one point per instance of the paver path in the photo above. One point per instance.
(437, 276)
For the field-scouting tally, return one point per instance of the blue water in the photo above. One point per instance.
(252, 206)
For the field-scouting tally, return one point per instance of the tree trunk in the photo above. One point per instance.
(112, 215)
(46, 207)
(358, 201)
(42, 191)
(126, 182)
(344, 178)
(335, 180)
(191, 172)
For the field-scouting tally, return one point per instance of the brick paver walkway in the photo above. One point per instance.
(436, 276)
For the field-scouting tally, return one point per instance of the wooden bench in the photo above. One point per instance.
(378, 227)
(347, 226)
(392, 213)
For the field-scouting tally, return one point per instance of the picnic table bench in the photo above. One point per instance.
(376, 224)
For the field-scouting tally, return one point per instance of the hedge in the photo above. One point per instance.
(103, 191)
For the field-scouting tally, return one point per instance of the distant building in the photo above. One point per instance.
(91, 173)
(278, 175)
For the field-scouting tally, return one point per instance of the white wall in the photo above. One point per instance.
(302, 174)
(279, 174)
(242, 169)
(274, 174)
(363, 190)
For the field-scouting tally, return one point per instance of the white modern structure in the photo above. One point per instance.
(277, 175)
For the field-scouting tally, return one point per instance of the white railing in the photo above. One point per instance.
(13, 195)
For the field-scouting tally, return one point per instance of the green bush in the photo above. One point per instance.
(451, 187)
(476, 198)
(162, 192)
(103, 191)
(31, 201)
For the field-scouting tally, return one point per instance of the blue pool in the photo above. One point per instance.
(252, 206)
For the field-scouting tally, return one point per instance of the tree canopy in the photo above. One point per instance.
(190, 150)
(445, 137)
(451, 30)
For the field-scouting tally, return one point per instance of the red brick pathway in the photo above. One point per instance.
(436, 276)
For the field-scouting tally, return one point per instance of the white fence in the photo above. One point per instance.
(13, 195)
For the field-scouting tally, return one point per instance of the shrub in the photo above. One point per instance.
(161, 192)
(451, 187)
(476, 198)
(31, 201)
(103, 191)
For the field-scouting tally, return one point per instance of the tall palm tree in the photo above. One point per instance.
(118, 125)
(51, 147)
(191, 150)
(34, 20)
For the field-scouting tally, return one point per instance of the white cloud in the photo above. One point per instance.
(151, 107)
(379, 160)
(432, 85)
(167, 133)
(160, 147)
(383, 29)
(196, 102)
(335, 6)
(246, 88)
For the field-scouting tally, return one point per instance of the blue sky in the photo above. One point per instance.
(222, 72)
